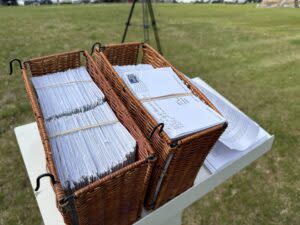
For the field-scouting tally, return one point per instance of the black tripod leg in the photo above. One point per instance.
(145, 21)
(128, 21)
(154, 26)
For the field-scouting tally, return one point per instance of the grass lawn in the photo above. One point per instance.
(251, 55)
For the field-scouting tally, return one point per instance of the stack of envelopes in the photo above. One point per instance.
(66, 92)
(87, 140)
(169, 100)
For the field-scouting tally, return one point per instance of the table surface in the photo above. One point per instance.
(34, 158)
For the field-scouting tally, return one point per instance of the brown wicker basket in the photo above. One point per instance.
(118, 197)
(178, 162)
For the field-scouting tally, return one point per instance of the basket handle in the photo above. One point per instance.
(161, 125)
(94, 46)
(41, 176)
(11, 65)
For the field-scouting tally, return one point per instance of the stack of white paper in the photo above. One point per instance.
(123, 69)
(241, 135)
(66, 92)
(241, 130)
(89, 145)
(183, 116)
(169, 100)
(154, 83)
(87, 140)
(221, 155)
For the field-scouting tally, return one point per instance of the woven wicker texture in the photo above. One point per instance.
(177, 163)
(117, 198)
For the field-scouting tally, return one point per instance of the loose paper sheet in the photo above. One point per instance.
(242, 134)
(241, 130)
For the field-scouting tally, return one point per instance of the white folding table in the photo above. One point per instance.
(34, 158)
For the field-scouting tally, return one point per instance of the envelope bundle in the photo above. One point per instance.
(68, 92)
(169, 100)
(87, 140)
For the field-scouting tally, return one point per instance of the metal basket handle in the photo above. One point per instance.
(41, 176)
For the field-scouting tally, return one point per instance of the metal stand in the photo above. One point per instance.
(147, 10)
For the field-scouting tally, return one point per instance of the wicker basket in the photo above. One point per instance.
(118, 197)
(178, 162)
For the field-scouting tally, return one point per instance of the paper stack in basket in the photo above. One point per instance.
(87, 140)
(169, 100)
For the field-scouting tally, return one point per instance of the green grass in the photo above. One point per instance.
(251, 55)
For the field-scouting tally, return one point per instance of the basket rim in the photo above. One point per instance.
(52, 56)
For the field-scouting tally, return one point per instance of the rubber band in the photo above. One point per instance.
(104, 123)
(63, 84)
(166, 97)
